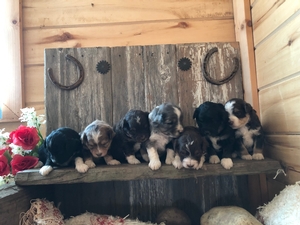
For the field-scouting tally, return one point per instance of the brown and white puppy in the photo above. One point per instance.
(190, 149)
(248, 130)
(213, 122)
(132, 130)
(165, 124)
(96, 139)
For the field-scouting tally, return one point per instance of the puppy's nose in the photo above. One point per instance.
(230, 122)
(99, 154)
(190, 166)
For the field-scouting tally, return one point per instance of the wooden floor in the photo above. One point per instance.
(126, 172)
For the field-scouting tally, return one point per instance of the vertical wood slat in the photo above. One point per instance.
(145, 199)
(141, 77)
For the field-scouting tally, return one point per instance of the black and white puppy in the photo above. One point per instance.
(165, 124)
(132, 130)
(62, 147)
(190, 149)
(96, 139)
(248, 130)
(213, 122)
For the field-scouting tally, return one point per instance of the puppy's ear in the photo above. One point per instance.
(153, 113)
(83, 137)
(125, 124)
(110, 134)
(196, 112)
(248, 108)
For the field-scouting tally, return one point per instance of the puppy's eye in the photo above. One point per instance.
(198, 153)
(184, 153)
(91, 146)
(104, 143)
(169, 122)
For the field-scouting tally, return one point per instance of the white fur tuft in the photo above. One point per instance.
(214, 159)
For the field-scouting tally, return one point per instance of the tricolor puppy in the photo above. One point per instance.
(190, 149)
(248, 130)
(61, 148)
(96, 139)
(213, 122)
(132, 130)
(165, 124)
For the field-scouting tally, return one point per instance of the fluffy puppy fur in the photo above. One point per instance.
(165, 124)
(132, 130)
(96, 139)
(248, 130)
(213, 122)
(190, 149)
(62, 147)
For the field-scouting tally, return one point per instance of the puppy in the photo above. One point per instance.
(165, 124)
(213, 122)
(190, 149)
(96, 139)
(62, 147)
(248, 130)
(132, 130)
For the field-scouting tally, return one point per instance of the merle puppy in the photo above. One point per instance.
(165, 124)
(62, 147)
(213, 122)
(248, 130)
(190, 149)
(96, 139)
(132, 130)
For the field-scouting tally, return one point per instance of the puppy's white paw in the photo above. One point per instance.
(132, 160)
(214, 159)
(82, 168)
(154, 164)
(202, 159)
(257, 156)
(227, 163)
(45, 170)
(39, 165)
(113, 162)
(90, 163)
(177, 163)
(247, 157)
(170, 156)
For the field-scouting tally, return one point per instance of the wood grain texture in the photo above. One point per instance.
(40, 14)
(145, 199)
(15, 200)
(34, 84)
(278, 56)
(279, 105)
(244, 35)
(152, 33)
(11, 83)
(269, 15)
(141, 77)
(126, 172)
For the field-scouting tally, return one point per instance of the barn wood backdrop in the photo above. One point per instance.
(141, 77)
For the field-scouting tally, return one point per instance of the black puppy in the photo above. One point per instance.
(213, 122)
(190, 149)
(132, 130)
(62, 147)
(248, 130)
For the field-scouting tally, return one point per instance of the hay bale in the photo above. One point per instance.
(225, 215)
(284, 208)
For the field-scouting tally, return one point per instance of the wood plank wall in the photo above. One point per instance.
(68, 24)
(276, 29)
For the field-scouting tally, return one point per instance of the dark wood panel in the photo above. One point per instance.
(145, 199)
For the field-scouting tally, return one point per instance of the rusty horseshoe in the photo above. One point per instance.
(77, 83)
(207, 75)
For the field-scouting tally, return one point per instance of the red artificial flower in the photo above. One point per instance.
(27, 137)
(4, 166)
(19, 163)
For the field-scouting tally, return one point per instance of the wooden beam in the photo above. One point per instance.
(243, 33)
(11, 83)
(126, 172)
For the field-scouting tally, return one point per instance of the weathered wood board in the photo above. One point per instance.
(140, 77)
